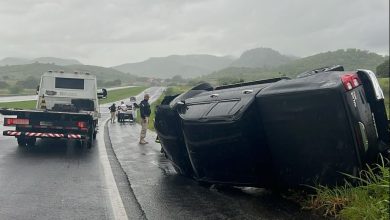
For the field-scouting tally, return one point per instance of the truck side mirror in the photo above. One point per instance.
(102, 94)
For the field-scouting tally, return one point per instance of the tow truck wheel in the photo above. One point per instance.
(31, 141)
(88, 143)
(84, 144)
(21, 141)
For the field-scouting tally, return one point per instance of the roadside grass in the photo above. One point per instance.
(113, 96)
(367, 198)
(6, 92)
(119, 94)
(384, 83)
(19, 105)
(169, 91)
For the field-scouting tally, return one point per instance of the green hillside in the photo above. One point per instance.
(351, 59)
(17, 72)
(23, 79)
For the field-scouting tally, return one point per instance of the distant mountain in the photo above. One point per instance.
(351, 59)
(187, 66)
(46, 60)
(262, 58)
(14, 61)
(57, 61)
(17, 72)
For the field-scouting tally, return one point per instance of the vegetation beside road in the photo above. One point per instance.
(368, 199)
(384, 83)
(19, 105)
(169, 91)
(119, 94)
(113, 95)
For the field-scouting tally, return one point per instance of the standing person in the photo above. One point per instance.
(112, 111)
(145, 113)
(121, 113)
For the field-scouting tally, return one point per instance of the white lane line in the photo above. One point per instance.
(118, 209)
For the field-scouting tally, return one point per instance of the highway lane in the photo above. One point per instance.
(56, 179)
(160, 193)
(19, 98)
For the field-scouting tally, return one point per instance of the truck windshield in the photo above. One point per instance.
(69, 83)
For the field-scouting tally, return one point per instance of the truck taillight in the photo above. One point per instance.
(81, 124)
(350, 81)
(16, 121)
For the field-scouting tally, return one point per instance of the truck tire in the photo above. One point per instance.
(86, 143)
(89, 140)
(31, 141)
(21, 141)
(94, 129)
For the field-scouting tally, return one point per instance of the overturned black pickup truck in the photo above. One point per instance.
(278, 132)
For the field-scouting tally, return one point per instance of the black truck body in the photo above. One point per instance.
(278, 132)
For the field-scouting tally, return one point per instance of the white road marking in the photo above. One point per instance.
(118, 209)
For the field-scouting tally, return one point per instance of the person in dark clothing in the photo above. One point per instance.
(145, 113)
(112, 112)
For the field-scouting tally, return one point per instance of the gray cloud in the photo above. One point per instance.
(111, 32)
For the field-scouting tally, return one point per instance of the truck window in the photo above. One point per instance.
(69, 83)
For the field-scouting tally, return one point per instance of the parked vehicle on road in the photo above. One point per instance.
(67, 108)
(277, 132)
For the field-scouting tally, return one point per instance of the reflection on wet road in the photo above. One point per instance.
(163, 194)
(53, 180)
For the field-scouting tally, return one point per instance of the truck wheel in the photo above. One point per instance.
(88, 143)
(31, 141)
(21, 141)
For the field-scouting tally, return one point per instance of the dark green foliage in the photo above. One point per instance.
(113, 83)
(351, 59)
(20, 72)
(383, 70)
(29, 83)
(15, 89)
(3, 84)
(229, 80)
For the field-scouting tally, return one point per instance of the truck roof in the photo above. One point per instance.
(79, 75)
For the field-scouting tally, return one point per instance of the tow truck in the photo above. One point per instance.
(67, 108)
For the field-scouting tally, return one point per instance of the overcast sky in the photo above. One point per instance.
(113, 32)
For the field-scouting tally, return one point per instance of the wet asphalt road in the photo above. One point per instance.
(160, 193)
(154, 190)
(61, 181)
(54, 179)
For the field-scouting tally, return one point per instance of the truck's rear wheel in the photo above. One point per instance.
(21, 141)
(31, 141)
(89, 140)
(87, 143)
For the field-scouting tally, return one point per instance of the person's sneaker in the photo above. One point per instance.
(142, 142)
